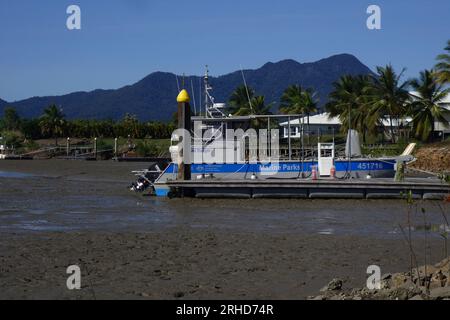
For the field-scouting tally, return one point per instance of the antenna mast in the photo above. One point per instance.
(178, 84)
(193, 97)
(246, 90)
(212, 109)
(207, 87)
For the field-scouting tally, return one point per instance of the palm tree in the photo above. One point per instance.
(349, 102)
(52, 122)
(240, 99)
(425, 106)
(309, 106)
(388, 95)
(292, 101)
(258, 107)
(296, 100)
(130, 125)
(11, 119)
(443, 66)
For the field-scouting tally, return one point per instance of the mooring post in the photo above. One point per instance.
(115, 147)
(95, 148)
(184, 122)
(400, 172)
(68, 147)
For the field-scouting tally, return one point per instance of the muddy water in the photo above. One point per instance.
(37, 196)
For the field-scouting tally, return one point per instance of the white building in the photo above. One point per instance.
(317, 123)
(325, 125)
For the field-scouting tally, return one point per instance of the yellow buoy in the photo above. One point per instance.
(183, 97)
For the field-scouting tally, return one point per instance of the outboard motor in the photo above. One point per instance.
(140, 185)
(147, 177)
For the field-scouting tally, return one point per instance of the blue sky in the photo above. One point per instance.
(121, 41)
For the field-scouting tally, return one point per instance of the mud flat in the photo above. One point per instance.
(182, 263)
(54, 214)
(75, 169)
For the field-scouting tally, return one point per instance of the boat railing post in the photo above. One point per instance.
(350, 142)
(289, 138)
(269, 149)
(303, 143)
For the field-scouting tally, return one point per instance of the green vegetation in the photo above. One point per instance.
(52, 122)
(11, 120)
(243, 102)
(364, 103)
(20, 135)
(426, 109)
(390, 150)
(296, 100)
(367, 101)
(348, 101)
(13, 139)
(376, 106)
(443, 66)
(386, 97)
(240, 99)
(153, 147)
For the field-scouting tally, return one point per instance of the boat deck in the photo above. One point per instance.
(324, 188)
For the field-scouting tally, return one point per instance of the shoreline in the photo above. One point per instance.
(134, 247)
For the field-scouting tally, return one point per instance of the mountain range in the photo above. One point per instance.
(154, 97)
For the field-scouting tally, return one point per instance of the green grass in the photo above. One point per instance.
(384, 150)
(143, 147)
(153, 147)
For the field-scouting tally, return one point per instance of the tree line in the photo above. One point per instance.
(53, 124)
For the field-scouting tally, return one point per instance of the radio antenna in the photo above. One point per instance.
(200, 95)
(193, 97)
(246, 89)
(178, 84)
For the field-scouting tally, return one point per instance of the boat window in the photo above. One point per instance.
(293, 131)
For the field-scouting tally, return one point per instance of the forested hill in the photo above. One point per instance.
(153, 97)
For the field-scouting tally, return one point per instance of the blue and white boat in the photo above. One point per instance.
(305, 163)
(357, 168)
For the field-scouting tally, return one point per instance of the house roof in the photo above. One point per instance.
(395, 122)
(318, 119)
(445, 100)
(324, 119)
